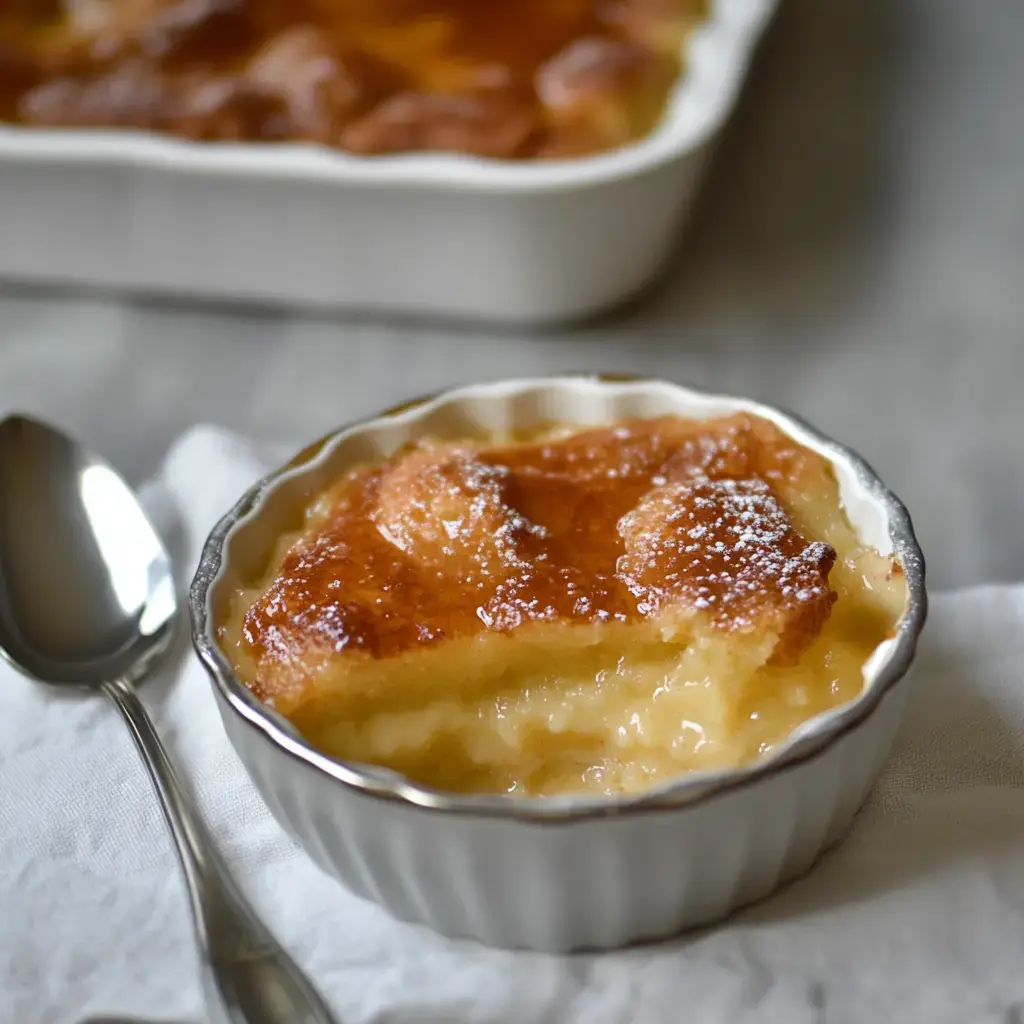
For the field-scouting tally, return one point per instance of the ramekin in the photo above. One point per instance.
(559, 874)
(434, 234)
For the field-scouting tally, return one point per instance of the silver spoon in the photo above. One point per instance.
(87, 600)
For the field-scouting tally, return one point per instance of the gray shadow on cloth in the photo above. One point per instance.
(969, 745)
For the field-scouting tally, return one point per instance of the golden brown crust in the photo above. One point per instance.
(522, 79)
(582, 88)
(495, 123)
(446, 541)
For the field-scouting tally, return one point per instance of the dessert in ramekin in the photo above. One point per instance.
(564, 663)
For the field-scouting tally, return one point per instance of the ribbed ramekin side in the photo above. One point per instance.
(599, 882)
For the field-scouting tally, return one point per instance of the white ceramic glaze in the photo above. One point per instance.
(421, 234)
(569, 872)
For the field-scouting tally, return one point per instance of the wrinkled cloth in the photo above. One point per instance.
(917, 916)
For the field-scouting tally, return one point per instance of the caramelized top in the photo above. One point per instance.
(449, 540)
(501, 78)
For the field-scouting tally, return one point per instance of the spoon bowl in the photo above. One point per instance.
(86, 587)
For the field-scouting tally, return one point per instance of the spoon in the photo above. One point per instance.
(87, 600)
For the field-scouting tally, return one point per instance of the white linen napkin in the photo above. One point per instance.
(918, 916)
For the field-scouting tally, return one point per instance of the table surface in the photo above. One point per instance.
(857, 256)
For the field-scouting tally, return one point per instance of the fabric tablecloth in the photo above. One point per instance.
(917, 916)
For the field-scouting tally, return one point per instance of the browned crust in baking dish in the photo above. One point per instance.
(519, 79)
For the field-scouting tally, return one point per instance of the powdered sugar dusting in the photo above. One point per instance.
(444, 507)
(726, 546)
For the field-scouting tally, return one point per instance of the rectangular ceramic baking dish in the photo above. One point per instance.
(434, 235)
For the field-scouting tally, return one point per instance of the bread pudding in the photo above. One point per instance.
(515, 79)
(580, 610)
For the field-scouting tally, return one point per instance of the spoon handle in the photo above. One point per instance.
(247, 977)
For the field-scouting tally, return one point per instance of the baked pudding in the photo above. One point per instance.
(581, 610)
(515, 79)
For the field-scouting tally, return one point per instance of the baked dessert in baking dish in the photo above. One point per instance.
(580, 610)
(509, 79)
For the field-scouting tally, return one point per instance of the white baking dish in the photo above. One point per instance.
(442, 235)
(568, 872)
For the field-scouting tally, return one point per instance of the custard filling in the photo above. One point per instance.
(592, 611)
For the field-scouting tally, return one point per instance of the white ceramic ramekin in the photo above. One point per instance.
(559, 873)
(433, 234)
